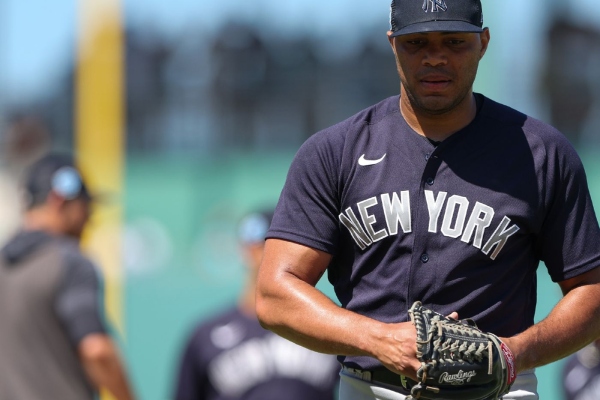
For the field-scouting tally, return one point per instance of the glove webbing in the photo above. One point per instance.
(452, 349)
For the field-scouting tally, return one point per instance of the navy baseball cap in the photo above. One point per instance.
(417, 16)
(54, 173)
(254, 226)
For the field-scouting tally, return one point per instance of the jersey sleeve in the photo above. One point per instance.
(78, 301)
(570, 236)
(307, 210)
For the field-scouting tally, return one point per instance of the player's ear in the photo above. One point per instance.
(391, 40)
(485, 40)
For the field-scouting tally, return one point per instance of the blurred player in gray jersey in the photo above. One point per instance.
(53, 340)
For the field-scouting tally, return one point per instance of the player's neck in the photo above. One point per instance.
(438, 127)
(40, 219)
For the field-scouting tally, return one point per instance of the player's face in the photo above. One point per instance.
(437, 69)
(76, 214)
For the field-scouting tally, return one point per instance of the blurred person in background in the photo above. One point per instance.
(581, 374)
(230, 356)
(53, 340)
(24, 139)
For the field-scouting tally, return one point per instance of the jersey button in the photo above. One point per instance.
(429, 181)
(424, 257)
(427, 157)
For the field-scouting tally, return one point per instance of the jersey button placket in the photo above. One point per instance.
(423, 268)
(425, 257)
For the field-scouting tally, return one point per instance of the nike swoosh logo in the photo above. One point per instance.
(364, 162)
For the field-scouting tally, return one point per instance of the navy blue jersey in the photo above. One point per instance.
(231, 357)
(461, 225)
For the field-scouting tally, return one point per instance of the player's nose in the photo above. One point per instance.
(434, 55)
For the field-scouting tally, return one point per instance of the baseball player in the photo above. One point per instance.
(438, 195)
(53, 340)
(581, 374)
(231, 357)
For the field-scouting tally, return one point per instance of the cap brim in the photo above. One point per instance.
(438, 26)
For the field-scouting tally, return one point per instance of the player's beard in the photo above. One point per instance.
(440, 104)
(436, 105)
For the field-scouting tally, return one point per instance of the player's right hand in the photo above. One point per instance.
(397, 349)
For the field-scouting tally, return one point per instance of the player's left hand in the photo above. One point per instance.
(459, 361)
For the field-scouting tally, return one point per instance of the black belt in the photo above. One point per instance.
(401, 383)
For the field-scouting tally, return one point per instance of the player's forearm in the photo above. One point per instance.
(301, 313)
(111, 377)
(288, 303)
(103, 366)
(573, 323)
(307, 317)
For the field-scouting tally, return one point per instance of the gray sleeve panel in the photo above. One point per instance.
(79, 298)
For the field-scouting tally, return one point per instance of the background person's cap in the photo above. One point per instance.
(56, 173)
(254, 226)
(417, 16)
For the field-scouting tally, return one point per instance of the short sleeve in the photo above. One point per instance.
(570, 236)
(307, 210)
(79, 299)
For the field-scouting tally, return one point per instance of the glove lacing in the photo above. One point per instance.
(449, 346)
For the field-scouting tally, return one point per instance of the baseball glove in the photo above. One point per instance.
(458, 361)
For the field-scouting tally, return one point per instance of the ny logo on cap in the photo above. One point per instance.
(436, 5)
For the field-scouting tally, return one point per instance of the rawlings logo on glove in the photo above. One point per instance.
(458, 361)
(457, 379)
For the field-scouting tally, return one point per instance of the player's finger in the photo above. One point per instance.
(454, 315)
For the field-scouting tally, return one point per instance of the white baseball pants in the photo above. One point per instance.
(355, 387)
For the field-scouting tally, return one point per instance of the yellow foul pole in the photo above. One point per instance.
(99, 139)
